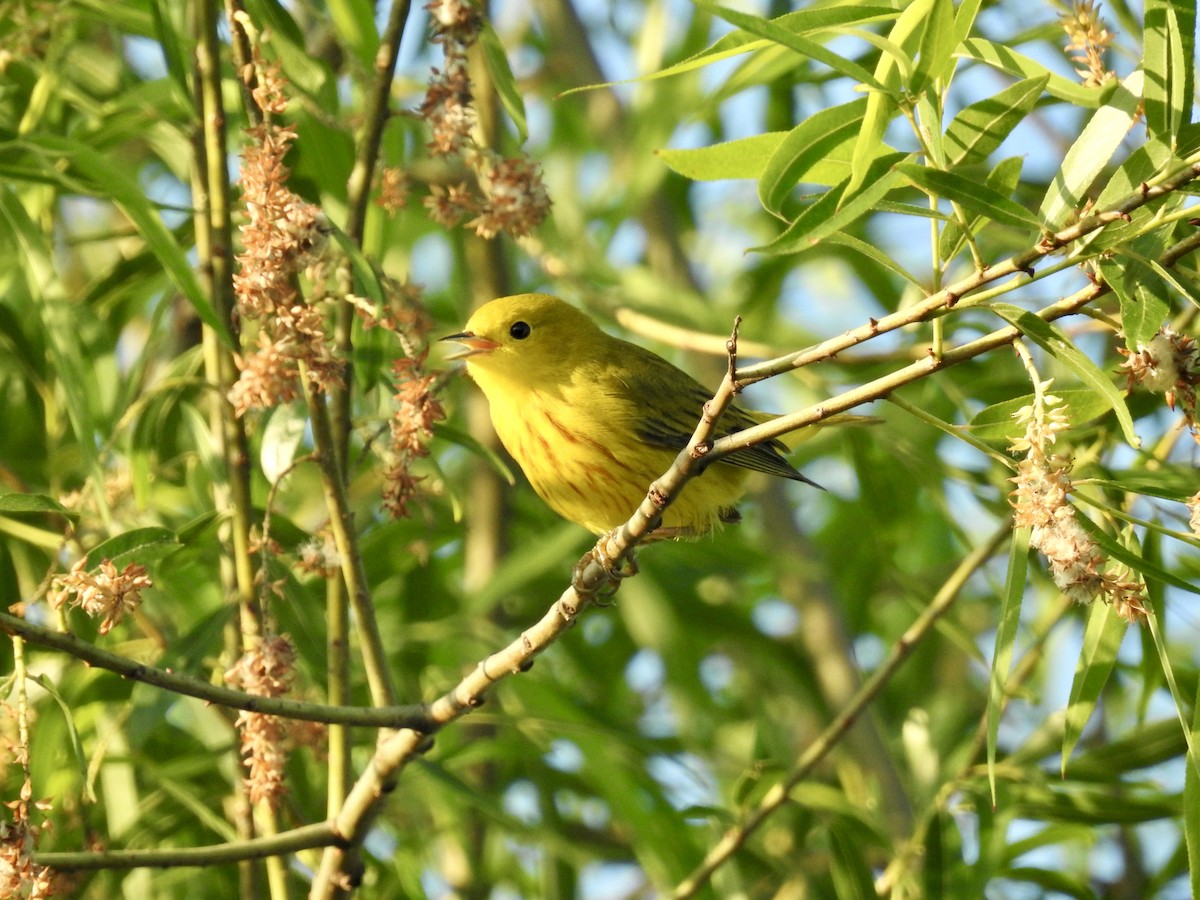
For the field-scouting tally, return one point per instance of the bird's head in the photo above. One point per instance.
(529, 336)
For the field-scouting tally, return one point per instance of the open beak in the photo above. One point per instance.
(472, 343)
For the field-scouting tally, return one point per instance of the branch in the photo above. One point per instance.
(369, 794)
(881, 387)
(413, 716)
(307, 837)
(947, 297)
(341, 523)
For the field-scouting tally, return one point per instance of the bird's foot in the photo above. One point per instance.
(614, 573)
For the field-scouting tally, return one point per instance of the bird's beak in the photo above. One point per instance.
(472, 343)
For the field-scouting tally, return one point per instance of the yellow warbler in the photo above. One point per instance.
(592, 420)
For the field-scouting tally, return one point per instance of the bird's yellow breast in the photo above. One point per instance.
(588, 466)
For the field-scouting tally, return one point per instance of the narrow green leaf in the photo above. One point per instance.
(873, 253)
(765, 28)
(1164, 660)
(849, 868)
(971, 195)
(502, 79)
(366, 278)
(1003, 179)
(281, 437)
(457, 436)
(1142, 295)
(1163, 63)
(1118, 551)
(935, 58)
(806, 147)
(831, 212)
(981, 127)
(1022, 66)
(995, 422)
(743, 158)
(33, 503)
(1151, 744)
(883, 102)
(1052, 881)
(355, 24)
(807, 21)
(140, 545)
(964, 19)
(174, 48)
(1006, 637)
(114, 183)
(1059, 346)
(1091, 152)
(1101, 640)
(81, 759)
(1148, 160)
(1191, 803)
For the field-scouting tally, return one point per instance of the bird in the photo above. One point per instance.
(593, 420)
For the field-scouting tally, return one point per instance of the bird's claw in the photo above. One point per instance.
(614, 573)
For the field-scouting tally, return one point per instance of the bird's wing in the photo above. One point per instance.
(670, 424)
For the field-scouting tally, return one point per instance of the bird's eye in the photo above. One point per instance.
(520, 330)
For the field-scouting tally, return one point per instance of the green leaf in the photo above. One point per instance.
(747, 39)
(355, 23)
(1060, 347)
(1053, 881)
(995, 422)
(1191, 804)
(284, 431)
(792, 39)
(1168, 671)
(1101, 641)
(1167, 71)
(1154, 743)
(743, 158)
(1006, 637)
(935, 58)
(849, 868)
(1142, 294)
(113, 182)
(442, 431)
(877, 256)
(1091, 152)
(831, 212)
(981, 127)
(33, 503)
(964, 19)
(140, 545)
(1141, 564)
(806, 147)
(883, 102)
(1022, 66)
(971, 195)
(81, 759)
(1002, 179)
(502, 78)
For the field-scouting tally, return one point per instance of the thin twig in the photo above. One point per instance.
(1021, 263)
(411, 716)
(307, 837)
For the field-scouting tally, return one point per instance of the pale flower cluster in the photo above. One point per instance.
(106, 593)
(1169, 365)
(283, 233)
(1040, 504)
(268, 670)
(508, 195)
(1088, 38)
